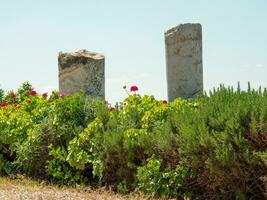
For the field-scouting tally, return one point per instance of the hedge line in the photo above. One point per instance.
(211, 147)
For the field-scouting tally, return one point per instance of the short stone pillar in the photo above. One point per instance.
(184, 61)
(82, 71)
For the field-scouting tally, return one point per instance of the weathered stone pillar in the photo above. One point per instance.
(184, 61)
(82, 71)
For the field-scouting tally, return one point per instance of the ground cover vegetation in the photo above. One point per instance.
(210, 147)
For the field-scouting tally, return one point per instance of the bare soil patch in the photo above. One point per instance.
(24, 189)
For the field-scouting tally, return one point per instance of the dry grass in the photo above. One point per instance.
(24, 189)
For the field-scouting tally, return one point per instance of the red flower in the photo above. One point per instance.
(44, 95)
(12, 95)
(165, 102)
(4, 104)
(134, 88)
(62, 94)
(32, 93)
(111, 109)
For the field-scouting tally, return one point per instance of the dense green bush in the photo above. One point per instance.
(152, 180)
(211, 147)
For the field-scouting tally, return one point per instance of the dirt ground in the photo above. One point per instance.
(21, 189)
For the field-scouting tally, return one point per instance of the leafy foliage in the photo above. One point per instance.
(152, 180)
(211, 147)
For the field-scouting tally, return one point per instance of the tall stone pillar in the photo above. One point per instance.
(82, 71)
(184, 61)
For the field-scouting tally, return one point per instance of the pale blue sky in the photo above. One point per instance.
(131, 36)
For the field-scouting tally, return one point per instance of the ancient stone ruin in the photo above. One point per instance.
(85, 71)
(82, 71)
(184, 61)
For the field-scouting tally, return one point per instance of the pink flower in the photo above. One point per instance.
(62, 94)
(13, 95)
(44, 95)
(134, 88)
(4, 104)
(32, 93)
(165, 102)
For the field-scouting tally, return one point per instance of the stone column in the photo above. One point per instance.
(184, 61)
(82, 71)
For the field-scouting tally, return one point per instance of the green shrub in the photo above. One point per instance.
(215, 140)
(133, 133)
(173, 183)
(211, 147)
(59, 170)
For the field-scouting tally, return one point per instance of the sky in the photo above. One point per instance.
(130, 33)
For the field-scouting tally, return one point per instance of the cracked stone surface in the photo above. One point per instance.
(82, 71)
(183, 45)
